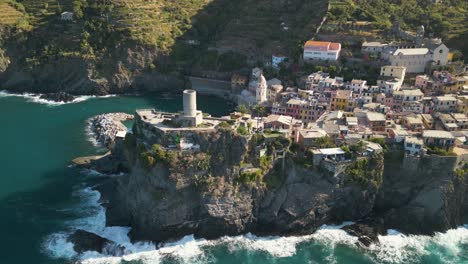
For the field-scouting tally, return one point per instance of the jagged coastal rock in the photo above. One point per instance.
(235, 183)
(202, 194)
(106, 126)
(58, 97)
(86, 241)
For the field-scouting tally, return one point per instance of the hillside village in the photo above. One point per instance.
(427, 116)
(416, 106)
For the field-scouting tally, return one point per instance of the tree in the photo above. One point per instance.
(325, 142)
(259, 110)
(457, 55)
(78, 8)
(242, 109)
(358, 147)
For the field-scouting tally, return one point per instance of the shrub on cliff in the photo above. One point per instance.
(364, 171)
(461, 173)
(265, 162)
(158, 152)
(224, 124)
(275, 178)
(379, 141)
(241, 130)
(325, 142)
(433, 150)
(147, 160)
(250, 176)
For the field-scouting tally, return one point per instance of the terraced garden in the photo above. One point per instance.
(9, 15)
(156, 23)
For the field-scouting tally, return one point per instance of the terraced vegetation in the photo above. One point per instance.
(112, 42)
(9, 15)
(447, 19)
(156, 23)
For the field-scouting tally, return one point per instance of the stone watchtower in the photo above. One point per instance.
(190, 103)
(191, 116)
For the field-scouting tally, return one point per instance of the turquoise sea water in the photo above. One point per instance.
(42, 199)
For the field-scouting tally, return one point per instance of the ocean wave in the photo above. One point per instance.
(36, 98)
(91, 136)
(394, 247)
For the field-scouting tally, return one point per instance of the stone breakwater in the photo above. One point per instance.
(105, 127)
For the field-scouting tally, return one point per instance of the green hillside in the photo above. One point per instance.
(249, 27)
(112, 43)
(447, 19)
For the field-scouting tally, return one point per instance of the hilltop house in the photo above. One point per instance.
(321, 50)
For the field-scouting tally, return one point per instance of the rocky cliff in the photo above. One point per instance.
(227, 189)
(422, 195)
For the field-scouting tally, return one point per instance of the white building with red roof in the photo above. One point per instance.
(321, 50)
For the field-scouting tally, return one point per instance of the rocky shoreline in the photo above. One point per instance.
(58, 97)
(166, 194)
(106, 126)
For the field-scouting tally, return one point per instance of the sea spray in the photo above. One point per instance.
(396, 247)
(36, 98)
(393, 247)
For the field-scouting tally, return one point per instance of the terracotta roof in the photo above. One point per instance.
(322, 45)
(335, 46)
(317, 43)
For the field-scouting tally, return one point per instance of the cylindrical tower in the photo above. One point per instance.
(190, 103)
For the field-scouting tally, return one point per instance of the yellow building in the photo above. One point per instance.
(340, 100)
(455, 86)
(462, 105)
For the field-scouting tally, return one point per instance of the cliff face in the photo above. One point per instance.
(188, 194)
(204, 193)
(227, 188)
(309, 198)
(422, 195)
(123, 70)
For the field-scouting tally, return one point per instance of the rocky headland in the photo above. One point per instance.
(229, 188)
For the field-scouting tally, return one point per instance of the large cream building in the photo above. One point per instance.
(416, 60)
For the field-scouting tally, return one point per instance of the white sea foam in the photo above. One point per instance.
(58, 247)
(36, 98)
(394, 247)
(91, 136)
(93, 220)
